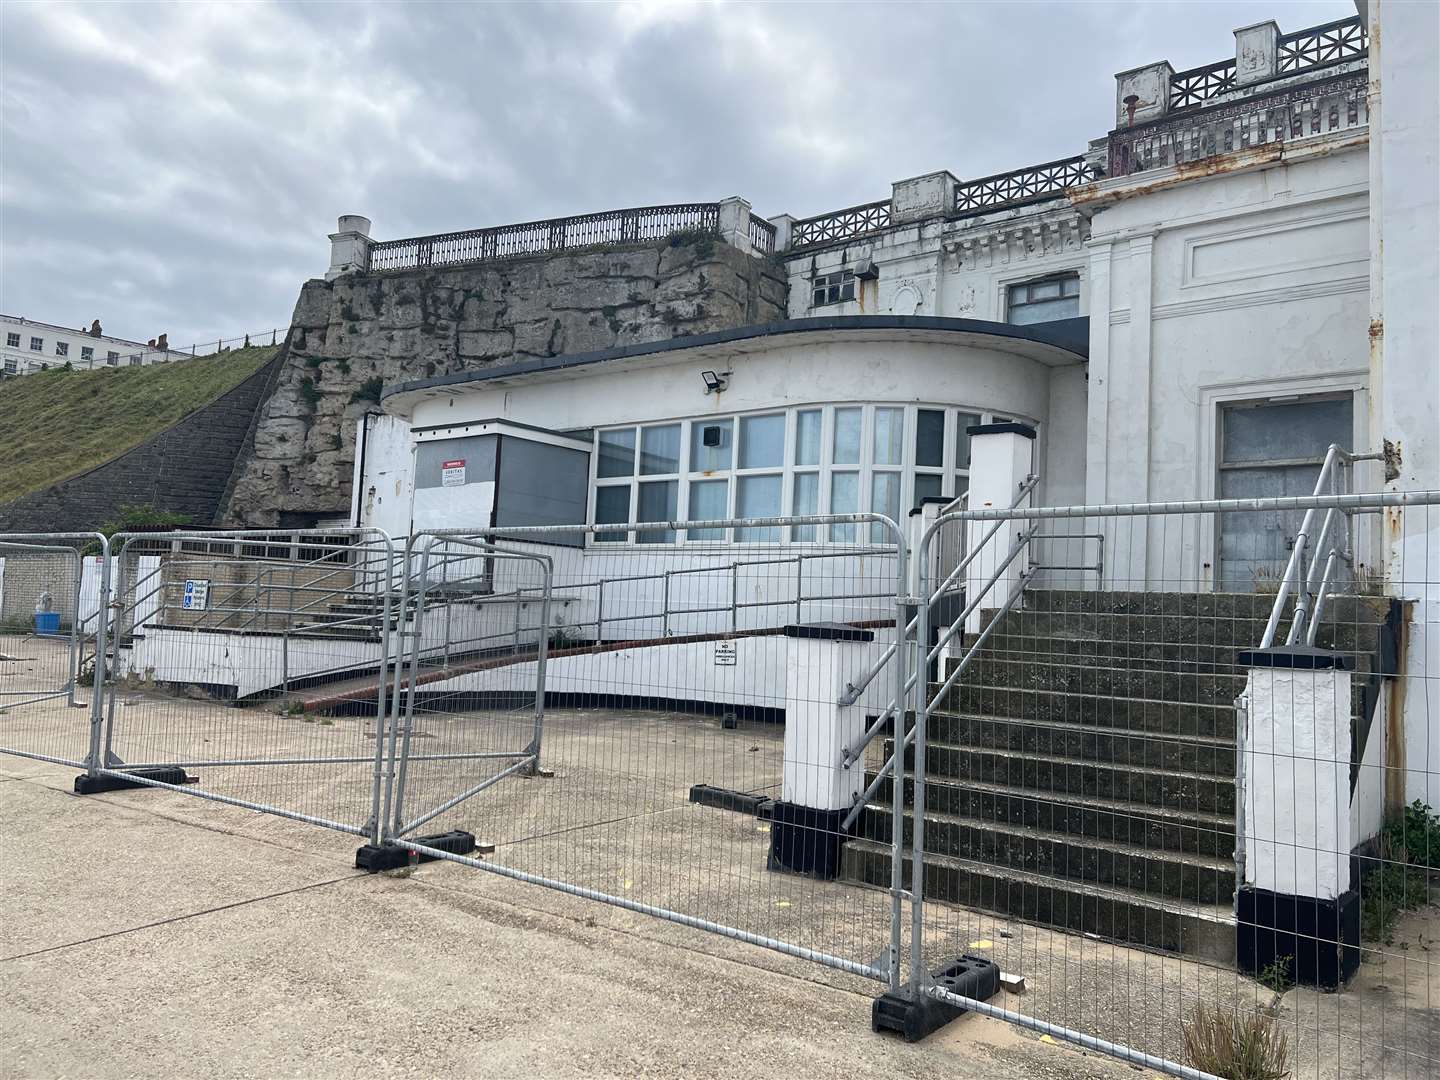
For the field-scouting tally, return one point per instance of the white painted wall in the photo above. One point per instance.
(381, 496)
(839, 367)
(1405, 357)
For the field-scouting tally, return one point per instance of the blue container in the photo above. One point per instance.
(47, 622)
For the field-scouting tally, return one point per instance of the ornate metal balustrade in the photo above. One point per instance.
(1021, 186)
(1198, 85)
(762, 235)
(1297, 112)
(1331, 43)
(638, 225)
(840, 225)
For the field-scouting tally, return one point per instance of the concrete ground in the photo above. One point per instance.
(185, 936)
(139, 938)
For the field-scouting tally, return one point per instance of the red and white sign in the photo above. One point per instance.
(452, 473)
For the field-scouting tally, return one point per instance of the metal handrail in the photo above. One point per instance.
(1335, 459)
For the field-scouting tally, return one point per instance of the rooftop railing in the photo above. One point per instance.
(638, 225)
(1021, 187)
(1296, 112)
(844, 224)
(1319, 46)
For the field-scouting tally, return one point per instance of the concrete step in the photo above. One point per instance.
(1180, 657)
(1339, 607)
(1209, 793)
(1116, 914)
(1237, 633)
(1092, 817)
(1079, 861)
(1020, 671)
(1128, 713)
(1085, 743)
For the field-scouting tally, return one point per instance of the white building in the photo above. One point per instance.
(29, 346)
(1237, 278)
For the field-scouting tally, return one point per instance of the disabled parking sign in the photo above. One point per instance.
(197, 594)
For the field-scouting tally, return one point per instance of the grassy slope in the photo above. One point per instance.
(55, 424)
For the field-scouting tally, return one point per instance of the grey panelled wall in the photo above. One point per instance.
(541, 484)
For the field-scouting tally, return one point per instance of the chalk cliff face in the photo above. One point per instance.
(351, 336)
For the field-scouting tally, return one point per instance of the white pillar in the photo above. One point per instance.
(1257, 53)
(349, 246)
(1001, 458)
(784, 224)
(1142, 94)
(823, 659)
(735, 223)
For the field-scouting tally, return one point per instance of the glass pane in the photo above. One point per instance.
(657, 503)
(844, 499)
(1045, 290)
(930, 437)
(804, 501)
(884, 499)
(807, 437)
(889, 433)
(1045, 311)
(966, 421)
(758, 496)
(927, 486)
(847, 436)
(709, 500)
(612, 505)
(1071, 286)
(660, 449)
(1300, 429)
(617, 453)
(762, 442)
(710, 444)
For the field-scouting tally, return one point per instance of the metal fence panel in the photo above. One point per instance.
(47, 644)
(1149, 798)
(679, 770)
(257, 661)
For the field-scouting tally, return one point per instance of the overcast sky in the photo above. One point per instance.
(176, 167)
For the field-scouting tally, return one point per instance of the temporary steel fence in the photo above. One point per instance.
(47, 710)
(1157, 821)
(1061, 749)
(623, 721)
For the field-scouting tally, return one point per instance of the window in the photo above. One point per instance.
(87, 353)
(62, 348)
(135, 360)
(9, 366)
(833, 288)
(112, 358)
(1043, 301)
(812, 460)
(12, 340)
(37, 344)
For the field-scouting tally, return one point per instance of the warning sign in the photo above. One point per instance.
(452, 473)
(724, 654)
(197, 594)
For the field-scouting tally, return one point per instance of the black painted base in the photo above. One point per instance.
(85, 784)
(969, 976)
(1319, 939)
(378, 857)
(742, 802)
(806, 841)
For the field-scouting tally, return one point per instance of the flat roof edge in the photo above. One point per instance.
(1068, 335)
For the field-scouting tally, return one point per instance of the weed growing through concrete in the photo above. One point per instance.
(1250, 1047)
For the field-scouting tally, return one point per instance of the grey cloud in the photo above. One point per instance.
(176, 167)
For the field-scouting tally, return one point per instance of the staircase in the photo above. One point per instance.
(1081, 773)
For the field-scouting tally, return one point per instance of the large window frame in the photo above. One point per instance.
(807, 480)
(1030, 296)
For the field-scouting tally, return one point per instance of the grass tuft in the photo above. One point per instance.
(1249, 1047)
